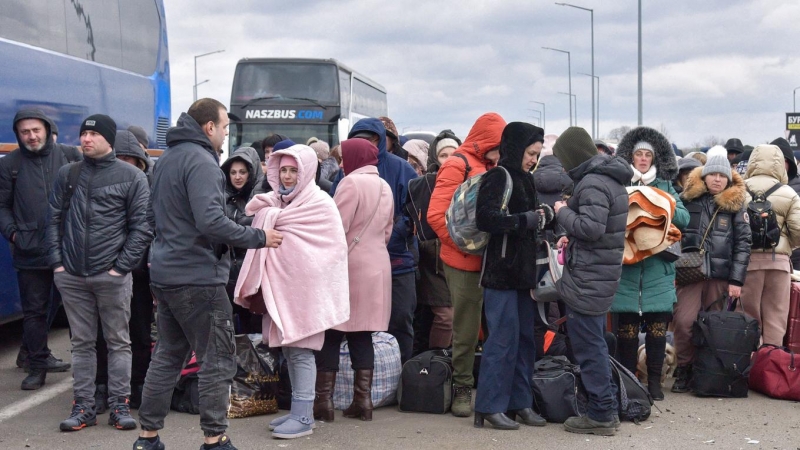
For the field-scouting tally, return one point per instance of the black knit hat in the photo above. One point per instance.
(734, 146)
(788, 155)
(574, 147)
(102, 124)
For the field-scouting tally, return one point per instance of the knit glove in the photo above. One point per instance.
(548, 213)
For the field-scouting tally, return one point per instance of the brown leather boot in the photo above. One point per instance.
(323, 402)
(362, 396)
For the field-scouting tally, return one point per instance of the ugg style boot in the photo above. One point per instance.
(323, 402)
(299, 422)
(656, 351)
(362, 396)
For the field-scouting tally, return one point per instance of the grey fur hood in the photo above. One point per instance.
(666, 166)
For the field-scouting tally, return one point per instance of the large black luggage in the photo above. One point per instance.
(426, 383)
(724, 341)
(558, 393)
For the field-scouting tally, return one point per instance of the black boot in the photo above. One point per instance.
(656, 350)
(683, 375)
(628, 352)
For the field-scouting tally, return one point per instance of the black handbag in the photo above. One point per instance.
(557, 389)
(426, 383)
(693, 265)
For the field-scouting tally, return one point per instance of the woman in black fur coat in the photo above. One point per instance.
(504, 390)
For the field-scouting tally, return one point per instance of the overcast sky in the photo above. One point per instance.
(725, 68)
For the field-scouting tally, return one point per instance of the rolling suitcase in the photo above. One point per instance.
(792, 338)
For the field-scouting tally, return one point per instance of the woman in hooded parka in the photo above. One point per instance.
(243, 180)
(504, 389)
(301, 287)
(646, 290)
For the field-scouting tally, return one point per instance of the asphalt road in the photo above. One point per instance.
(30, 421)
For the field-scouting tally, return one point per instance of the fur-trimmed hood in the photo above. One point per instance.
(667, 167)
(730, 200)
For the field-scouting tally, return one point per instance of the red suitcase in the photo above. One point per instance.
(792, 338)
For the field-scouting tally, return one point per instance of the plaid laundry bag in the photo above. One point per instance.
(385, 378)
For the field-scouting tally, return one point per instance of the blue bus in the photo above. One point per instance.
(72, 58)
(300, 98)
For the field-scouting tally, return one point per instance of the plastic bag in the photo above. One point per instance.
(256, 383)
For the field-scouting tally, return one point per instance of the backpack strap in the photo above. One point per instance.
(468, 169)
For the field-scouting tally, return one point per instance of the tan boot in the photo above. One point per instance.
(323, 402)
(362, 396)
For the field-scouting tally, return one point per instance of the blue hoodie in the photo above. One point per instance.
(397, 172)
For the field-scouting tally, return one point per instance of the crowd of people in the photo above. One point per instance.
(309, 245)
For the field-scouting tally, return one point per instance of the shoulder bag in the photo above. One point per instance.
(693, 265)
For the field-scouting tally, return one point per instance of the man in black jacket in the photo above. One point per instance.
(189, 269)
(98, 233)
(26, 181)
(594, 219)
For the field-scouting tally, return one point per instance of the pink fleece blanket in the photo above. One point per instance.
(303, 283)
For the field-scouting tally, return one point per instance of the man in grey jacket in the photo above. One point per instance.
(98, 233)
(189, 269)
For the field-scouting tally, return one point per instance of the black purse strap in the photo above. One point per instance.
(705, 235)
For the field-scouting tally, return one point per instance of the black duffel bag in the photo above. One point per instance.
(557, 389)
(426, 383)
(724, 340)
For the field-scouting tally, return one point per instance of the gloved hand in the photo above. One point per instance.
(548, 213)
(533, 220)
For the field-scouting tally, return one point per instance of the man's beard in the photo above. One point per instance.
(35, 149)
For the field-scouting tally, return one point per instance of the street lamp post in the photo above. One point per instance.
(540, 115)
(575, 98)
(595, 77)
(569, 73)
(195, 70)
(591, 12)
(794, 99)
(640, 62)
(544, 113)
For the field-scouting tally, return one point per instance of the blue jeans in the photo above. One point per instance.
(190, 318)
(504, 382)
(587, 339)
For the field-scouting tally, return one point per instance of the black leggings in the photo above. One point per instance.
(362, 355)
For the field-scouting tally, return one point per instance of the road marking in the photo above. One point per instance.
(36, 399)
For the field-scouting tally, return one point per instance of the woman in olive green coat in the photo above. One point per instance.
(646, 292)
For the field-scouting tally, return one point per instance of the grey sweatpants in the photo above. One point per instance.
(86, 298)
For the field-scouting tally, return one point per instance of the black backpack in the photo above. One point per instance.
(634, 400)
(426, 383)
(763, 222)
(558, 392)
(419, 197)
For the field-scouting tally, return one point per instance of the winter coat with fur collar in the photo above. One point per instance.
(728, 241)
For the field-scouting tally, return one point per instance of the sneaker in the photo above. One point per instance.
(462, 401)
(101, 398)
(683, 375)
(53, 364)
(120, 417)
(144, 444)
(224, 444)
(585, 425)
(82, 416)
(34, 380)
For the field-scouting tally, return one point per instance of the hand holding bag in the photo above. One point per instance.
(693, 265)
(774, 373)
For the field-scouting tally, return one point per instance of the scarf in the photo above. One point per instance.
(644, 178)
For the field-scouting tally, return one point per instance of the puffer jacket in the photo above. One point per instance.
(483, 137)
(594, 220)
(551, 180)
(106, 224)
(510, 259)
(24, 202)
(766, 167)
(728, 240)
(126, 144)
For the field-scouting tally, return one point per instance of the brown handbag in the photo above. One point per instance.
(693, 265)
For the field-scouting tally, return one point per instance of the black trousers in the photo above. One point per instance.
(139, 326)
(36, 295)
(401, 321)
(362, 355)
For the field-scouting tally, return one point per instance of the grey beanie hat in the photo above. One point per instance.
(574, 147)
(718, 164)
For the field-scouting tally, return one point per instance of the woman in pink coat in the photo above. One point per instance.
(366, 206)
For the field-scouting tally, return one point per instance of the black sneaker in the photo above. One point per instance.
(53, 364)
(34, 380)
(144, 444)
(120, 417)
(101, 398)
(224, 443)
(683, 375)
(82, 416)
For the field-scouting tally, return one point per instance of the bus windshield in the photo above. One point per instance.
(297, 132)
(286, 79)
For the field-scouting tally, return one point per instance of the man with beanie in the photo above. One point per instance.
(97, 234)
(189, 269)
(141, 135)
(735, 148)
(594, 219)
(26, 179)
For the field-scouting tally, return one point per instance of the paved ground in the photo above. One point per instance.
(30, 421)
